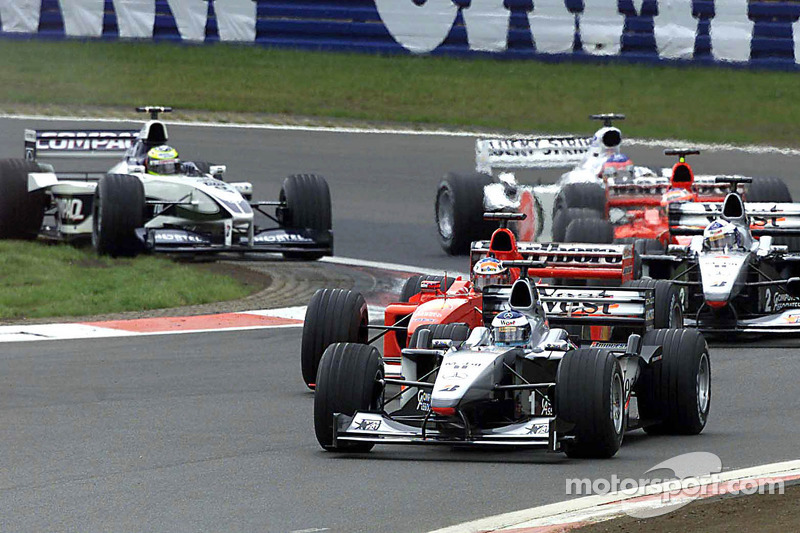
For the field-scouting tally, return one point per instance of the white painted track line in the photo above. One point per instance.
(595, 508)
(655, 143)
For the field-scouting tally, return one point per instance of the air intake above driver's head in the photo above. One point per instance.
(156, 134)
(733, 206)
(521, 297)
(612, 138)
(502, 241)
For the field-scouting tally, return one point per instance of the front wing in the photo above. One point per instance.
(277, 240)
(783, 322)
(537, 432)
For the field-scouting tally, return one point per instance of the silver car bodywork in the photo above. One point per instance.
(479, 373)
(751, 288)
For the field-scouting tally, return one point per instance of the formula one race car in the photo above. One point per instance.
(637, 210)
(579, 193)
(335, 315)
(151, 201)
(461, 199)
(735, 279)
(521, 380)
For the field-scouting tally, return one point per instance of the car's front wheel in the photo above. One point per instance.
(117, 211)
(350, 379)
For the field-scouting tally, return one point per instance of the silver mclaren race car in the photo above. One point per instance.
(152, 201)
(733, 276)
(525, 379)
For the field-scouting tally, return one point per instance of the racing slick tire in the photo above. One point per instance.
(308, 205)
(457, 331)
(590, 394)
(563, 217)
(413, 285)
(459, 212)
(349, 380)
(675, 391)
(668, 301)
(770, 189)
(589, 230)
(117, 212)
(21, 212)
(332, 315)
(581, 194)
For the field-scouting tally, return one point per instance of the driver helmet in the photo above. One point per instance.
(618, 166)
(489, 271)
(162, 160)
(511, 328)
(721, 235)
(677, 196)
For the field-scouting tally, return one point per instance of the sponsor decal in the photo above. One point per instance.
(554, 253)
(612, 345)
(449, 388)
(553, 146)
(281, 238)
(423, 401)
(73, 210)
(162, 237)
(368, 425)
(538, 429)
(84, 141)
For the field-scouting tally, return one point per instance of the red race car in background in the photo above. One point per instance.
(636, 210)
(454, 306)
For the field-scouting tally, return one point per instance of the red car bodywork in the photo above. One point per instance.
(461, 303)
(646, 207)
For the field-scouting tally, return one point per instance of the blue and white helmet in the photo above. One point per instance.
(721, 235)
(511, 328)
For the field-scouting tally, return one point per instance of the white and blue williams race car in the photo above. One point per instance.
(151, 201)
(525, 379)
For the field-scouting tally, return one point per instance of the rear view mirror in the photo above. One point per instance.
(793, 286)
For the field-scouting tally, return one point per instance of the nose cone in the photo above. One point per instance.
(722, 275)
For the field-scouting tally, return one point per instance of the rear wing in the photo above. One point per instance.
(765, 218)
(570, 260)
(532, 152)
(567, 306)
(78, 143)
(647, 191)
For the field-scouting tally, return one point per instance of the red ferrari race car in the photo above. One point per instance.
(456, 306)
(636, 210)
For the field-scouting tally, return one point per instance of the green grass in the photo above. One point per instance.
(58, 280)
(702, 104)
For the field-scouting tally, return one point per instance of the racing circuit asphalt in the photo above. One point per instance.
(213, 431)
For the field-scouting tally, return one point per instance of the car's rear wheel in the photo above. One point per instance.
(581, 194)
(332, 315)
(771, 189)
(21, 212)
(589, 230)
(349, 380)
(675, 391)
(117, 212)
(563, 218)
(668, 313)
(459, 212)
(308, 206)
(590, 395)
